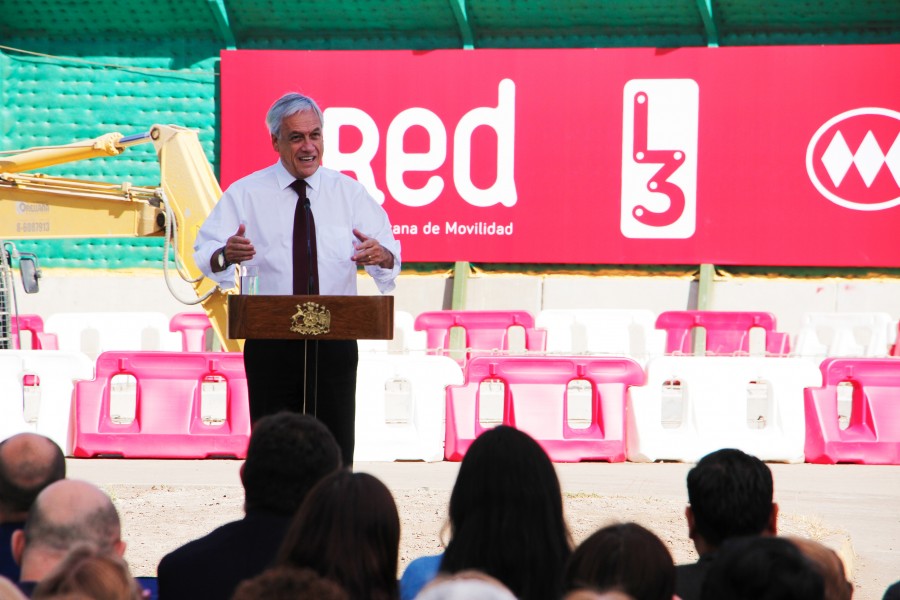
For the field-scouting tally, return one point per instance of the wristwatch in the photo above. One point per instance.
(221, 261)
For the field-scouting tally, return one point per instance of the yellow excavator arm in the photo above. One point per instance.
(39, 206)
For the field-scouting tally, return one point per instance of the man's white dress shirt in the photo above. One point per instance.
(264, 202)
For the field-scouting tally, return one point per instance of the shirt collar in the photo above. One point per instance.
(285, 179)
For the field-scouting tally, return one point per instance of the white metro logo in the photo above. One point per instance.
(854, 159)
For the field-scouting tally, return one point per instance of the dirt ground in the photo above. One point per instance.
(851, 508)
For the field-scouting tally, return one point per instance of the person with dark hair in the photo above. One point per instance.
(64, 514)
(307, 229)
(29, 462)
(287, 455)
(626, 558)
(730, 495)
(89, 572)
(762, 568)
(893, 592)
(348, 531)
(506, 519)
(288, 583)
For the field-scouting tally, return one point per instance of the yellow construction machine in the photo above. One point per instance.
(39, 206)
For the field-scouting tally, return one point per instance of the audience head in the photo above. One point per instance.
(287, 455)
(29, 462)
(64, 514)
(10, 591)
(93, 574)
(762, 568)
(289, 583)
(347, 530)
(506, 515)
(624, 557)
(730, 495)
(893, 592)
(586, 594)
(829, 565)
(465, 585)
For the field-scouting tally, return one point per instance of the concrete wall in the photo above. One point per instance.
(788, 299)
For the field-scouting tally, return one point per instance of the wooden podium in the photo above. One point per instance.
(311, 317)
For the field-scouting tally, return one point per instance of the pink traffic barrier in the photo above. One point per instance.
(726, 332)
(167, 415)
(34, 324)
(486, 330)
(192, 327)
(535, 400)
(872, 435)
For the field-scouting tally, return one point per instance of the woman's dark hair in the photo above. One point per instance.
(347, 530)
(506, 515)
(624, 557)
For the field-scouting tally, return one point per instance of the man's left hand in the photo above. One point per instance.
(369, 252)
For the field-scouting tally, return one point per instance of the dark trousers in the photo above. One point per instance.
(314, 377)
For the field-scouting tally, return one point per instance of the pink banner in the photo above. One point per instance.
(754, 156)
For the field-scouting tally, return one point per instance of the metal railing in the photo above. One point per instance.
(7, 298)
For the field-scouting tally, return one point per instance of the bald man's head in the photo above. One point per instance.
(29, 462)
(66, 513)
(71, 511)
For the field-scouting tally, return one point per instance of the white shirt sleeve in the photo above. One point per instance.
(221, 223)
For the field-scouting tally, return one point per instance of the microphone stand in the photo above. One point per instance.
(315, 343)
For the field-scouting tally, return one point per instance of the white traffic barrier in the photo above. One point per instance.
(630, 333)
(860, 334)
(693, 405)
(96, 332)
(44, 386)
(400, 401)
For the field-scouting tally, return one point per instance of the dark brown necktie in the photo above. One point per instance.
(306, 267)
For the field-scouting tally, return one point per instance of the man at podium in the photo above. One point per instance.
(306, 228)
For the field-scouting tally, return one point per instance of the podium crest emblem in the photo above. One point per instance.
(311, 319)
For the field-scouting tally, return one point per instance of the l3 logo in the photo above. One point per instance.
(659, 158)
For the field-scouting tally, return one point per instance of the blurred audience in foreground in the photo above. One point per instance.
(762, 568)
(29, 462)
(623, 558)
(91, 573)
(65, 514)
(506, 519)
(348, 530)
(730, 494)
(287, 455)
